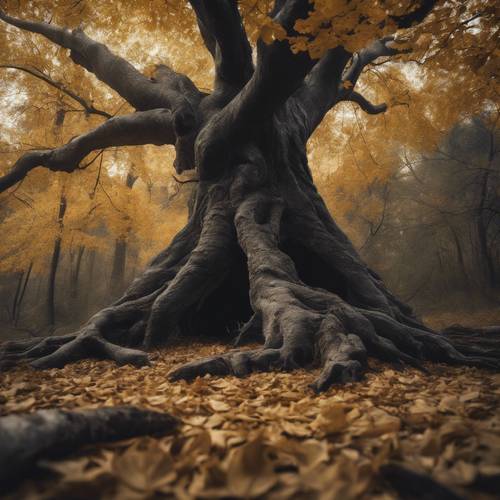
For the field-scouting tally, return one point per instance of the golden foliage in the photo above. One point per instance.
(448, 75)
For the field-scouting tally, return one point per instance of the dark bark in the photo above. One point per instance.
(260, 247)
(26, 438)
(20, 292)
(54, 264)
(224, 35)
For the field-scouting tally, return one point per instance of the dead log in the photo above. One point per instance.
(26, 438)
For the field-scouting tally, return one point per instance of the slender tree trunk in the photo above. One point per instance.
(75, 272)
(116, 285)
(485, 258)
(54, 263)
(89, 279)
(118, 270)
(460, 256)
(21, 295)
(12, 313)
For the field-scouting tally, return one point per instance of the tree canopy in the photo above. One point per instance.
(443, 72)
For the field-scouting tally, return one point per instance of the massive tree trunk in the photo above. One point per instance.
(260, 247)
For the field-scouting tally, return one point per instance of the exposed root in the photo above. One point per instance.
(475, 341)
(326, 240)
(150, 310)
(44, 434)
(56, 352)
(108, 334)
(302, 325)
(205, 269)
(305, 326)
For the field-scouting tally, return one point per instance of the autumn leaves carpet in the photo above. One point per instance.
(268, 435)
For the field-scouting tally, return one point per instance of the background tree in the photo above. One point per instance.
(312, 299)
(432, 206)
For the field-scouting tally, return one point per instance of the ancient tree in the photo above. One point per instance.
(260, 249)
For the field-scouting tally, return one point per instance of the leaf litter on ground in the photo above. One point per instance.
(268, 435)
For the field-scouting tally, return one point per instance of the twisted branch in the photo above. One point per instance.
(333, 80)
(143, 127)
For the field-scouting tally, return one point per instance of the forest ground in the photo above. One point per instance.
(268, 435)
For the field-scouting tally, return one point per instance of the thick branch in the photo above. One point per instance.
(278, 74)
(87, 106)
(380, 48)
(141, 92)
(320, 90)
(224, 35)
(329, 83)
(144, 127)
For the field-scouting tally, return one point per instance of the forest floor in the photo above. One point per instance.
(268, 435)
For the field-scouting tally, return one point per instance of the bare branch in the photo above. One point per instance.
(320, 89)
(329, 83)
(88, 107)
(143, 127)
(365, 104)
(325, 86)
(363, 58)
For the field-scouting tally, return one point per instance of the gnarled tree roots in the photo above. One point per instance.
(335, 319)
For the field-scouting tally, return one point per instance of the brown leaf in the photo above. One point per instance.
(331, 419)
(250, 471)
